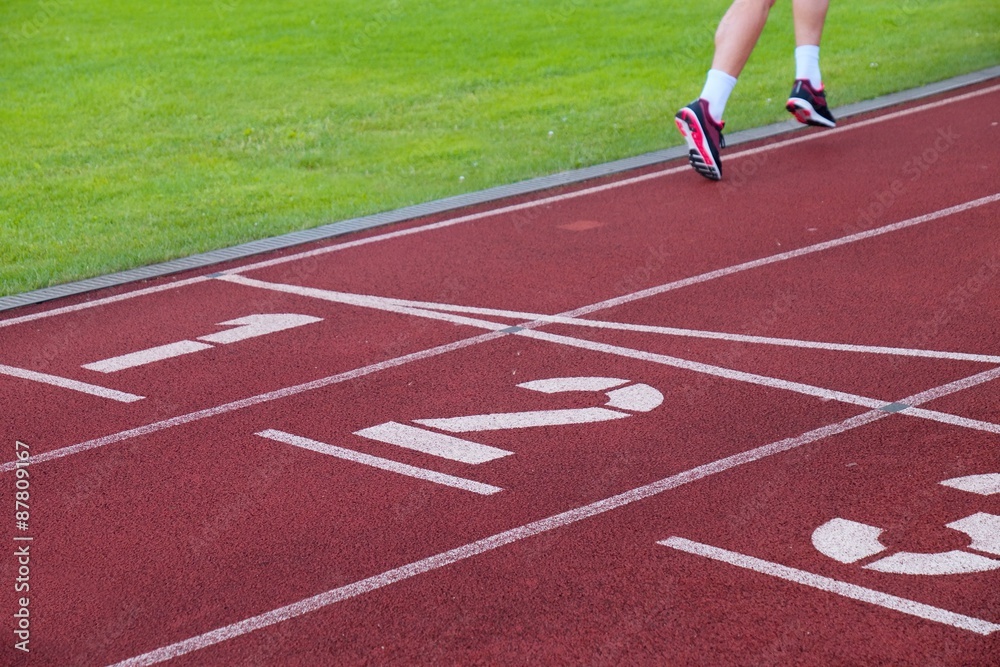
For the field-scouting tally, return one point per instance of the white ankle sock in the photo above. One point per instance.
(718, 86)
(807, 65)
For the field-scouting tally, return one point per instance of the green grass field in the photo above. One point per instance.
(135, 132)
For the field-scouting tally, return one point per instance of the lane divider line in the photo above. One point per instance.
(493, 542)
(66, 383)
(487, 544)
(674, 331)
(784, 256)
(767, 381)
(528, 331)
(820, 582)
(86, 305)
(381, 463)
(545, 201)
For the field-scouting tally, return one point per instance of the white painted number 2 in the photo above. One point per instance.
(851, 541)
(623, 402)
(635, 398)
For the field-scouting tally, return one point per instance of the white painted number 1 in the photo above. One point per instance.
(251, 326)
(851, 541)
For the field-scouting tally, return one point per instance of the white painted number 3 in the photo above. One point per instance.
(851, 541)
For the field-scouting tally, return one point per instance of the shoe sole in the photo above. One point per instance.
(806, 114)
(699, 154)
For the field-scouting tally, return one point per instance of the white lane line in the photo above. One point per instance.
(526, 330)
(784, 256)
(498, 540)
(380, 463)
(545, 201)
(149, 356)
(829, 585)
(763, 380)
(66, 383)
(491, 543)
(362, 301)
(952, 387)
(707, 369)
(386, 305)
(435, 444)
(954, 420)
(259, 399)
(693, 280)
(103, 302)
(695, 333)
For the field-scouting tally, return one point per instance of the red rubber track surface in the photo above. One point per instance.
(180, 527)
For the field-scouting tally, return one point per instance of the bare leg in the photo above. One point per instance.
(809, 16)
(700, 123)
(808, 98)
(738, 33)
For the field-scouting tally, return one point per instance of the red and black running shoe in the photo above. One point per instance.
(809, 105)
(704, 138)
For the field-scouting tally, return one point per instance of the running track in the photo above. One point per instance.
(643, 420)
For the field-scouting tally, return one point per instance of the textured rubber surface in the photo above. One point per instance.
(181, 528)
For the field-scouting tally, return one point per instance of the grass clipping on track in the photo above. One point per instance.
(135, 132)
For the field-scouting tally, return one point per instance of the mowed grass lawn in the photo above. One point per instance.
(135, 132)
